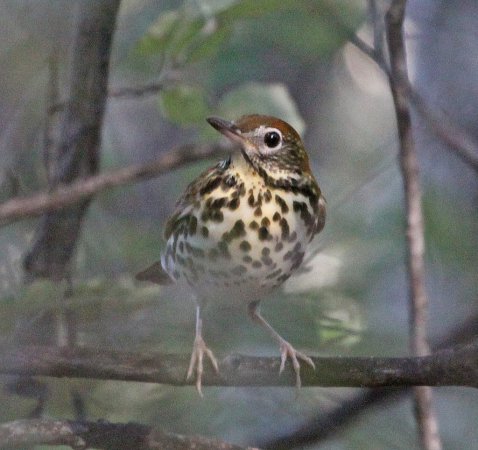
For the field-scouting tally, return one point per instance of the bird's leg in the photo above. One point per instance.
(199, 349)
(286, 349)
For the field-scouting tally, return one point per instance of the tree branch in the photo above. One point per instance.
(418, 300)
(458, 140)
(322, 426)
(101, 435)
(75, 154)
(453, 367)
(21, 208)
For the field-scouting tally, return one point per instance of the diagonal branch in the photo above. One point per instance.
(457, 366)
(101, 435)
(21, 208)
(458, 140)
(418, 300)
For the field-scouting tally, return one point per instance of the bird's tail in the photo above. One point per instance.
(156, 274)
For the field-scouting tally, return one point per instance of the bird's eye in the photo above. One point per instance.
(272, 139)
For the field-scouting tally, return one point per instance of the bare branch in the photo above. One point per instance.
(453, 367)
(399, 85)
(101, 435)
(140, 91)
(458, 140)
(322, 426)
(461, 142)
(75, 151)
(21, 208)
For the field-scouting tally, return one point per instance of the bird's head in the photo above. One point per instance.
(270, 145)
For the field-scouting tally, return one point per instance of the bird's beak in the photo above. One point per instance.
(228, 129)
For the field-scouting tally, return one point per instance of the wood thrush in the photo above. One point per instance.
(242, 227)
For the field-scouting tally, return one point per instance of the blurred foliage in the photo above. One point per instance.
(228, 58)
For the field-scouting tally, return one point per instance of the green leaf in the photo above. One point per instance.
(184, 105)
(159, 34)
(209, 44)
(261, 98)
(246, 9)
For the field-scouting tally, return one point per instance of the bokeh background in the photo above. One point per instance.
(230, 57)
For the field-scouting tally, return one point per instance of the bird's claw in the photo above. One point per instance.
(287, 350)
(196, 363)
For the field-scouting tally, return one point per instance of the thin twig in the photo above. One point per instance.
(378, 28)
(139, 91)
(458, 140)
(457, 366)
(101, 434)
(461, 142)
(21, 208)
(399, 84)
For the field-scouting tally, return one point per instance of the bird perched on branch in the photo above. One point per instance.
(242, 227)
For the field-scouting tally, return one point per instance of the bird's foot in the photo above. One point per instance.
(196, 363)
(288, 351)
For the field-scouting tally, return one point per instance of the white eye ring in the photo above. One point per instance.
(272, 138)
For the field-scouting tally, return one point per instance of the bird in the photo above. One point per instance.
(242, 227)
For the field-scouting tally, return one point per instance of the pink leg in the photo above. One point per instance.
(286, 349)
(199, 349)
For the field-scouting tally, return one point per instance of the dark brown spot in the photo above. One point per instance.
(226, 237)
(267, 196)
(282, 203)
(304, 213)
(247, 259)
(264, 234)
(293, 236)
(274, 274)
(257, 264)
(250, 199)
(259, 200)
(267, 260)
(285, 228)
(298, 258)
(217, 216)
(245, 246)
(266, 251)
(239, 229)
(234, 203)
(254, 225)
(258, 211)
(210, 186)
(205, 232)
(239, 270)
(193, 224)
(276, 217)
(283, 277)
(265, 222)
(279, 246)
(205, 215)
(224, 249)
(219, 203)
